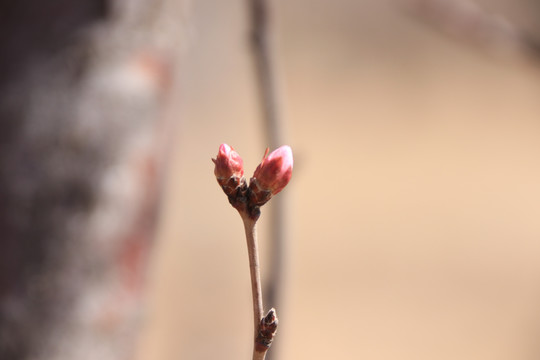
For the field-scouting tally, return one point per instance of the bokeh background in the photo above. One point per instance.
(412, 215)
(414, 205)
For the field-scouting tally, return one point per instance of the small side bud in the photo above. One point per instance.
(267, 331)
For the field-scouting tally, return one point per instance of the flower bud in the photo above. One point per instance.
(275, 170)
(228, 164)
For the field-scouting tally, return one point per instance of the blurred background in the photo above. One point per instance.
(413, 211)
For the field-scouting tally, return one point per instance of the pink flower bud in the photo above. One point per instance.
(275, 171)
(228, 163)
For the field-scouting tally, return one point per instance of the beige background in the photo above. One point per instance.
(414, 204)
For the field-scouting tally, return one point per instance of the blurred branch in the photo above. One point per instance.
(466, 21)
(261, 41)
(266, 73)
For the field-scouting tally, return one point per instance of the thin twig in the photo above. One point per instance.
(253, 253)
(269, 178)
(264, 327)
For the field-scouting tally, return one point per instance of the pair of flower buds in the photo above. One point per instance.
(270, 177)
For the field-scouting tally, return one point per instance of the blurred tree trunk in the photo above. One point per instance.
(82, 88)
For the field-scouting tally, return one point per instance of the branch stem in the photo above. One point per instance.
(253, 253)
(264, 326)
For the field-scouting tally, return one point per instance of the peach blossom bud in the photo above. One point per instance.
(275, 171)
(228, 163)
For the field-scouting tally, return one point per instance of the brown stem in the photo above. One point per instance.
(264, 327)
(253, 253)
